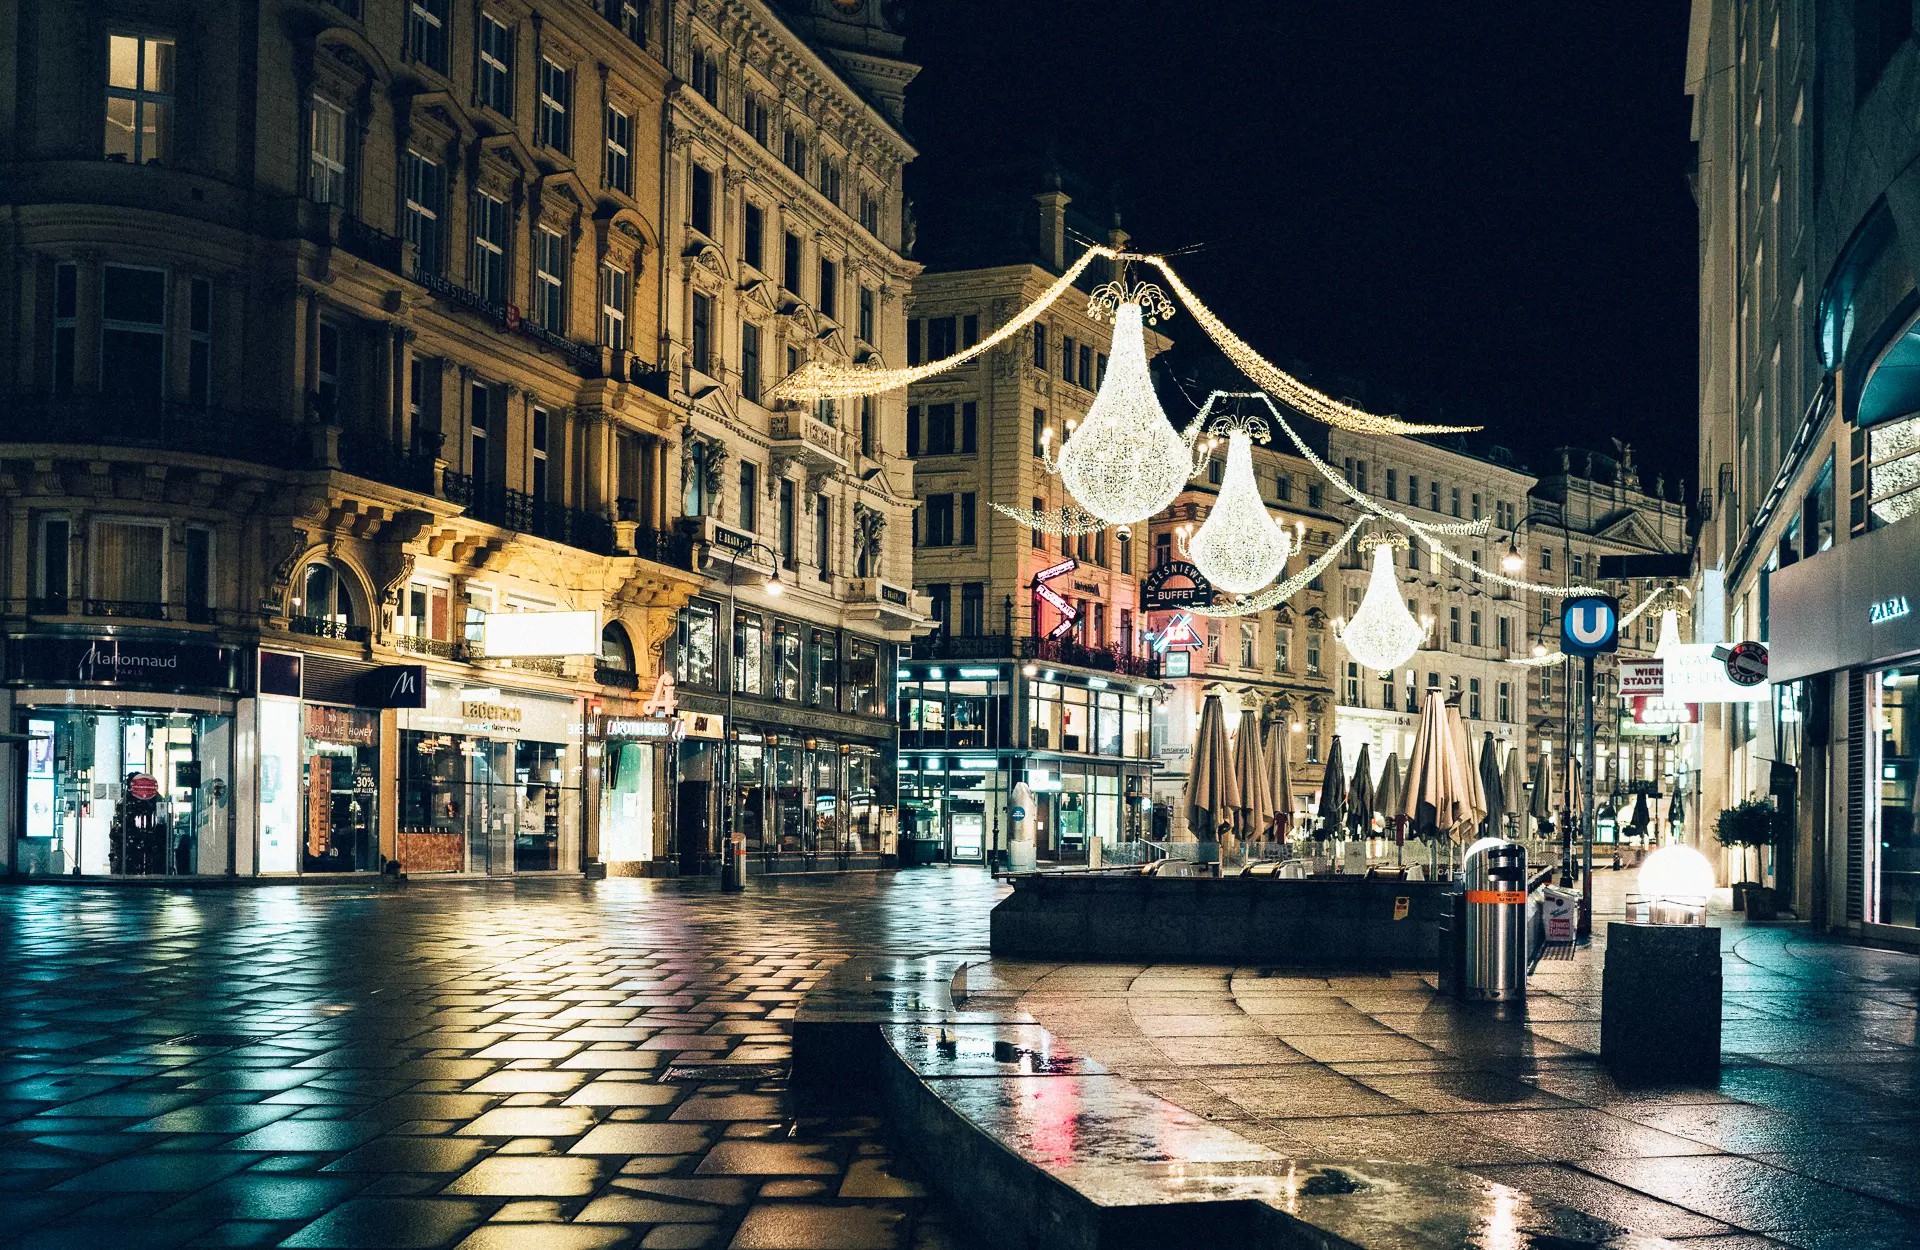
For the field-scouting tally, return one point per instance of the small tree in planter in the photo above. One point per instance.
(1753, 825)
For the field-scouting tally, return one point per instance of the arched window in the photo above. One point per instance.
(616, 652)
(324, 596)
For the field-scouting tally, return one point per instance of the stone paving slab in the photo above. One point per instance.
(1807, 1139)
(556, 1065)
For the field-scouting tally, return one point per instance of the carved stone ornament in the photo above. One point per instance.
(869, 532)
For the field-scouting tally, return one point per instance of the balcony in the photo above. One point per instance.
(369, 455)
(327, 627)
(801, 436)
(942, 646)
(438, 648)
(518, 510)
(896, 609)
(159, 425)
(585, 357)
(114, 609)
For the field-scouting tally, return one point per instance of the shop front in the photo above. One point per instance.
(634, 749)
(1845, 668)
(128, 758)
(490, 781)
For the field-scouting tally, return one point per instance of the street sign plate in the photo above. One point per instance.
(1643, 678)
(1590, 625)
(1747, 663)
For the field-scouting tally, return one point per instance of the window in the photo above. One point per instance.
(541, 432)
(830, 178)
(630, 18)
(1454, 499)
(1039, 432)
(786, 661)
(1473, 697)
(1473, 628)
(704, 74)
(1546, 559)
(753, 239)
(750, 361)
(556, 104)
(702, 335)
(199, 587)
(1282, 647)
(823, 535)
(1433, 496)
(139, 98)
(749, 653)
(54, 572)
(940, 338)
(133, 334)
(200, 340)
(749, 496)
(1453, 624)
(867, 432)
(913, 430)
(753, 118)
(700, 200)
(1504, 632)
(1086, 366)
(488, 264)
(790, 262)
(1282, 486)
(970, 330)
(496, 66)
(789, 543)
(973, 609)
(1393, 484)
(1249, 642)
(870, 213)
(829, 289)
(1066, 357)
(967, 516)
(324, 596)
(1476, 505)
(1039, 345)
(426, 204)
(693, 653)
(823, 668)
(617, 166)
(1313, 652)
(1503, 697)
(939, 429)
(550, 279)
(865, 330)
(1039, 536)
(479, 425)
(427, 33)
(970, 431)
(793, 151)
(66, 323)
(616, 285)
(1350, 692)
(938, 530)
(913, 340)
(327, 153)
(1313, 739)
(1314, 496)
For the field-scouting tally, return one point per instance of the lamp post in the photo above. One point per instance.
(733, 860)
(1512, 563)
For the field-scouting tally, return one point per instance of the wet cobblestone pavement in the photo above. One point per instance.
(480, 1065)
(1810, 1139)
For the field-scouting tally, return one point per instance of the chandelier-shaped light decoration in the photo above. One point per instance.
(1669, 633)
(1125, 461)
(1382, 635)
(1240, 547)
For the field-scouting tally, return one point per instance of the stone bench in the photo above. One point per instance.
(1038, 1147)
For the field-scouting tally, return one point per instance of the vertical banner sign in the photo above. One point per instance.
(1047, 594)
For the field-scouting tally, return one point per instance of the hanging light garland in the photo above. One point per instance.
(1239, 547)
(819, 379)
(1669, 627)
(1383, 634)
(1125, 461)
(1066, 522)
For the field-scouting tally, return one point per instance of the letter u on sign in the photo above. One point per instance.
(1589, 625)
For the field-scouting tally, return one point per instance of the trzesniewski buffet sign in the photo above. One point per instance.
(1175, 584)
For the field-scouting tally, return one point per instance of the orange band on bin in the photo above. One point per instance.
(1496, 896)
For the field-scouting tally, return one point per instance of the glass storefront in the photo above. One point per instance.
(126, 792)
(489, 782)
(342, 790)
(1894, 794)
(627, 773)
(798, 802)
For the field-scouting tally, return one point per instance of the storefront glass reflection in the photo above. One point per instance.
(126, 793)
(1897, 786)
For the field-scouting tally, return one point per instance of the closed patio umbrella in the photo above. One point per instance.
(1540, 803)
(1514, 789)
(1493, 789)
(1211, 792)
(1279, 770)
(1360, 795)
(1255, 808)
(1333, 795)
(1439, 797)
(1639, 815)
(1386, 798)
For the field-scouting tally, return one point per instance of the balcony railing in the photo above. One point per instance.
(675, 549)
(584, 356)
(369, 455)
(518, 510)
(804, 436)
(944, 646)
(163, 425)
(123, 609)
(376, 247)
(437, 647)
(327, 627)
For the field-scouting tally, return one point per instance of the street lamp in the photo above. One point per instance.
(733, 860)
(1512, 562)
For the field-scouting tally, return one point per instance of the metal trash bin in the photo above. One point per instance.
(1495, 937)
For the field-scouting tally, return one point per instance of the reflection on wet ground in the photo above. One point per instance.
(479, 1064)
(1808, 1139)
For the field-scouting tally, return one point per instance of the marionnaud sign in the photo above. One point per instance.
(1590, 625)
(1175, 584)
(145, 663)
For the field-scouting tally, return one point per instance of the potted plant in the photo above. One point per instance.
(1753, 825)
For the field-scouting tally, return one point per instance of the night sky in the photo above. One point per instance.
(1476, 213)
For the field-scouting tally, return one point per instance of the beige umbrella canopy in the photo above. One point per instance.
(1255, 809)
(1441, 796)
(1212, 791)
(1278, 768)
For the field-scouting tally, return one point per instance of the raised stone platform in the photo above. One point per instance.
(1041, 1147)
(1348, 922)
